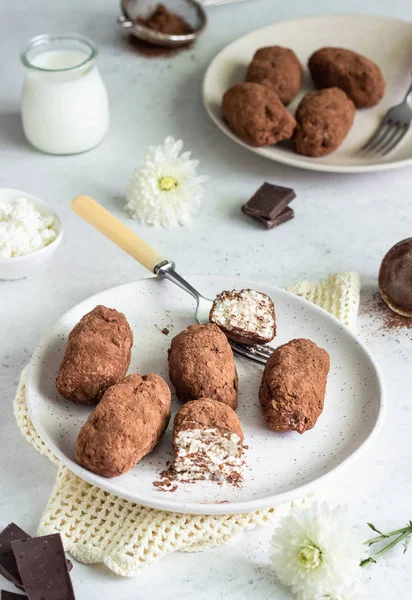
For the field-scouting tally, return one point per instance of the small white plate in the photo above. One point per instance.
(280, 466)
(386, 41)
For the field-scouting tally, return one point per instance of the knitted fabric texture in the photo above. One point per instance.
(98, 527)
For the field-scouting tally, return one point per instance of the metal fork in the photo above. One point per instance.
(393, 128)
(167, 270)
(97, 216)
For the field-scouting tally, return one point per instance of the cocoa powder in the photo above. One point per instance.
(164, 21)
(375, 307)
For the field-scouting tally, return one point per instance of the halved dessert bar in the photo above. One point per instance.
(245, 316)
(208, 442)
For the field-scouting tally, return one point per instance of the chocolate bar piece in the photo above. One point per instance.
(268, 202)
(285, 215)
(11, 596)
(43, 568)
(8, 566)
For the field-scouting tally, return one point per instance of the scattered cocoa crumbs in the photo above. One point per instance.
(376, 308)
(164, 21)
(169, 476)
(165, 331)
(165, 486)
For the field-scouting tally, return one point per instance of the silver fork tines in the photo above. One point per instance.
(393, 128)
(259, 354)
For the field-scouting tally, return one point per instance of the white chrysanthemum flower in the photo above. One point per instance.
(316, 554)
(166, 189)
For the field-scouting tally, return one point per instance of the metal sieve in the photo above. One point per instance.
(395, 278)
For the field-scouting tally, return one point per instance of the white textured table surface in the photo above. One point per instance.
(342, 223)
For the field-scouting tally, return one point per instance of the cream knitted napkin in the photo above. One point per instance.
(99, 527)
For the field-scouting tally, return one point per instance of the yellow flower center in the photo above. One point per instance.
(167, 183)
(310, 556)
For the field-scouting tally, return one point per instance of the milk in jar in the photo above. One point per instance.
(64, 103)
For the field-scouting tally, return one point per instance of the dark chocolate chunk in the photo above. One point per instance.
(11, 596)
(284, 216)
(43, 568)
(269, 201)
(8, 567)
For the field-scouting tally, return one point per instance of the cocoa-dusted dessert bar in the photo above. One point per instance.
(256, 115)
(208, 443)
(97, 355)
(324, 119)
(126, 425)
(293, 386)
(359, 77)
(201, 365)
(277, 68)
(245, 316)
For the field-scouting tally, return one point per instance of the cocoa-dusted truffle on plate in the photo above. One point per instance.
(245, 316)
(277, 68)
(97, 355)
(359, 77)
(126, 425)
(324, 119)
(256, 115)
(208, 442)
(201, 365)
(293, 386)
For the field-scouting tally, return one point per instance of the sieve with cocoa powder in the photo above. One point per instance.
(169, 23)
(395, 278)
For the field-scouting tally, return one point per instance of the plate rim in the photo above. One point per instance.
(308, 164)
(229, 508)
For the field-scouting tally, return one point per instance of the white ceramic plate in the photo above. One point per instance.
(280, 466)
(386, 41)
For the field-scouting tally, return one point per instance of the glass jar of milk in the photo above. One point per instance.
(64, 104)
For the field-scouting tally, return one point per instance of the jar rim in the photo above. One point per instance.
(53, 39)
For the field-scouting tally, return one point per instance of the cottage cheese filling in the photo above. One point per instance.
(207, 454)
(247, 310)
(23, 229)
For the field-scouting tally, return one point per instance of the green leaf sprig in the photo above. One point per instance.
(400, 535)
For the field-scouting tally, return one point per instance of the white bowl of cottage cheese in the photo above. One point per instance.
(30, 232)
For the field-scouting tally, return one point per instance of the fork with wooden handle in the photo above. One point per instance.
(99, 218)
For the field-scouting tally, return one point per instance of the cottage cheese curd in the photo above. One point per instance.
(23, 229)
(245, 316)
